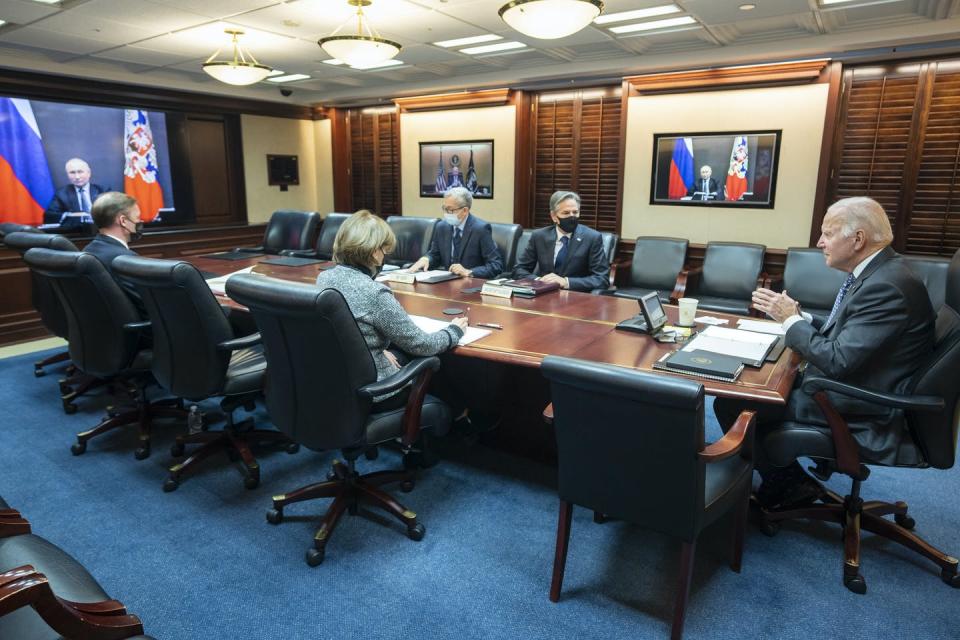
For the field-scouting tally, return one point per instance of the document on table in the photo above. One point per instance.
(430, 325)
(749, 346)
(219, 284)
(761, 326)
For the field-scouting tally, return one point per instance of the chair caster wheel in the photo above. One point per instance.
(142, 453)
(416, 532)
(177, 449)
(65, 389)
(274, 516)
(38, 372)
(952, 579)
(293, 447)
(170, 485)
(406, 486)
(769, 528)
(372, 454)
(905, 521)
(251, 482)
(314, 557)
(855, 583)
(331, 476)
(70, 409)
(78, 448)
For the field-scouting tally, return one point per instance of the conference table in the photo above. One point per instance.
(561, 323)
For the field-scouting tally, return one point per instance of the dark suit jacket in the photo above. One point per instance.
(478, 251)
(106, 248)
(878, 339)
(65, 199)
(586, 265)
(697, 186)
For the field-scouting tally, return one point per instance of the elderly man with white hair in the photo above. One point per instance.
(879, 332)
(76, 197)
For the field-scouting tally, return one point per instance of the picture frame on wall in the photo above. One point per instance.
(735, 169)
(467, 163)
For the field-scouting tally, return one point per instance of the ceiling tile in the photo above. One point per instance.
(149, 57)
(23, 11)
(147, 18)
(54, 41)
(724, 11)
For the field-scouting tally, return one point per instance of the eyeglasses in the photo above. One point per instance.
(454, 210)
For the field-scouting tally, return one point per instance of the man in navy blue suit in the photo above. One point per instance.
(76, 197)
(117, 217)
(462, 242)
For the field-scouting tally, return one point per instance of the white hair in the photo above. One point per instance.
(863, 213)
(461, 194)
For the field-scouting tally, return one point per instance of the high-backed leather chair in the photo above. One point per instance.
(45, 300)
(657, 265)
(328, 233)
(521, 247)
(196, 356)
(506, 236)
(930, 409)
(729, 275)
(6, 228)
(610, 241)
(289, 230)
(630, 445)
(104, 337)
(932, 271)
(321, 391)
(808, 280)
(413, 238)
(45, 594)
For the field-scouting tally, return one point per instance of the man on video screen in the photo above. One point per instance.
(706, 187)
(71, 204)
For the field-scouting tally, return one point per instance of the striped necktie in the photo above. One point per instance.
(840, 294)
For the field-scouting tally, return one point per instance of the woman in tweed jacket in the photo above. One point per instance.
(362, 242)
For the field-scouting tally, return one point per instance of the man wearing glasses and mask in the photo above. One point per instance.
(567, 252)
(462, 242)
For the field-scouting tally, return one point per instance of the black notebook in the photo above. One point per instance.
(703, 364)
(231, 255)
(291, 261)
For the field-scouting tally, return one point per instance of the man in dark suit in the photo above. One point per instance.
(877, 335)
(76, 197)
(706, 187)
(117, 218)
(567, 252)
(462, 242)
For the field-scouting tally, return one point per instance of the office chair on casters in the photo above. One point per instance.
(104, 339)
(657, 265)
(413, 238)
(321, 391)
(288, 229)
(930, 411)
(630, 445)
(196, 356)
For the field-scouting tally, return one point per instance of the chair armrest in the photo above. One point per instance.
(25, 586)
(245, 342)
(401, 378)
(732, 441)
(616, 264)
(299, 253)
(134, 327)
(548, 413)
(892, 400)
(12, 523)
(603, 291)
(686, 279)
(772, 282)
(258, 249)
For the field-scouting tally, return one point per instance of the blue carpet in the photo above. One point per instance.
(202, 561)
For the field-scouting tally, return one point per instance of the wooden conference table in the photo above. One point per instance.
(563, 323)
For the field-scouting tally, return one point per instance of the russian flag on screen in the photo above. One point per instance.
(681, 168)
(26, 187)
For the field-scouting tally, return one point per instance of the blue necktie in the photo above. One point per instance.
(561, 255)
(84, 200)
(840, 294)
(456, 245)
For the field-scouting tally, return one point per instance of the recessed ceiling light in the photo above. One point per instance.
(333, 61)
(747, 7)
(656, 24)
(638, 14)
(826, 2)
(289, 78)
(392, 62)
(48, 1)
(2, 22)
(459, 42)
(488, 48)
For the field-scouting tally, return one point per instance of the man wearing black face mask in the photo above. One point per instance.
(117, 217)
(567, 252)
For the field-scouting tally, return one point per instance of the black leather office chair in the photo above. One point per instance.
(610, 242)
(930, 409)
(657, 265)
(730, 273)
(630, 445)
(288, 230)
(808, 280)
(196, 356)
(45, 594)
(6, 228)
(932, 271)
(104, 338)
(413, 238)
(320, 391)
(521, 247)
(506, 237)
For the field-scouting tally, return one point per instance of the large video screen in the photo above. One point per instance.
(56, 158)
(730, 169)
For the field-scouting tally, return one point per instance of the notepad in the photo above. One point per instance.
(750, 347)
(431, 325)
(219, 284)
(760, 326)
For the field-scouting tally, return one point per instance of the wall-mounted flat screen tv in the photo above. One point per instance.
(456, 164)
(723, 169)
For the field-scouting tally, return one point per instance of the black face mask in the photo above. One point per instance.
(137, 232)
(568, 224)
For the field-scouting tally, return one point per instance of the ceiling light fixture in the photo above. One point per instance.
(637, 14)
(365, 47)
(488, 48)
(393, 62)
(289, 77)
(550, 19)
(460, 42)
(242, 70)
(747, 7)
(656, 24)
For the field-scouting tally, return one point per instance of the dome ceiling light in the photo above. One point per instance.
(550, 19)
(242, 70)
(364, 48)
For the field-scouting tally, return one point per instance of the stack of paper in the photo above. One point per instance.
(430, 325)
(761, 326)
(749, 346)
(219, 284)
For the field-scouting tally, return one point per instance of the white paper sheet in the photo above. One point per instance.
(430, 325)
(748, 345)
(219, 284)
(760, 326)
